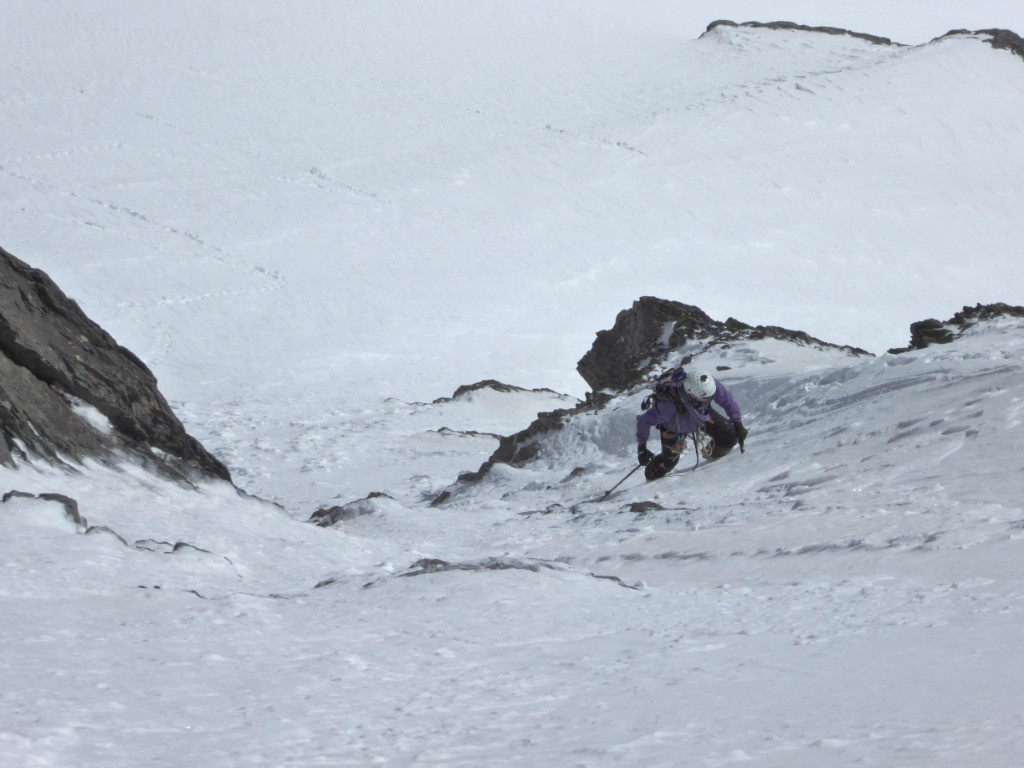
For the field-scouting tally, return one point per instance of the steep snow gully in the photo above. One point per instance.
(848, 590)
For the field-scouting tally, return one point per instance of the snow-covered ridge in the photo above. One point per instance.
(730, 348)
(924, 333)
(1003, 39)
(789, 25)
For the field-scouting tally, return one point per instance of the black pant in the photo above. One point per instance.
(719, 429)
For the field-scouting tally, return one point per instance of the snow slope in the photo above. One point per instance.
(311, 222)
(847, 591)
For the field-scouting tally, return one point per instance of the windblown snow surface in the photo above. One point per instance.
(312, 222)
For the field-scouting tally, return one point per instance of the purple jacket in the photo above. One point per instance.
(665, 414)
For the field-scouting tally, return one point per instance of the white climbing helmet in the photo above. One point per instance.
(699, 385)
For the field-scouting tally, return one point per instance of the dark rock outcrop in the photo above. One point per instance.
(1004, 39)
(70, 505)
(82, 526)
(325, 517)
(924, 333)
(1000, 39)
(491, 384)
(518, 449)
(434, 565)
(642, 334)
(56, 364)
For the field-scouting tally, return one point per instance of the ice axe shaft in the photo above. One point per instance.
(608, 492)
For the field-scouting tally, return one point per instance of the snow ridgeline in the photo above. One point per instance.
(1000, 39)
(758, 364)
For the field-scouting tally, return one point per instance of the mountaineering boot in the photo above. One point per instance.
(660, 465)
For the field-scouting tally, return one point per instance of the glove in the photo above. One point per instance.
(741, 433)
(644, 456)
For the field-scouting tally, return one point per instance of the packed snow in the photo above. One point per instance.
(314, 223)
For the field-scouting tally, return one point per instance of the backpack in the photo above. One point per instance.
(665, 387)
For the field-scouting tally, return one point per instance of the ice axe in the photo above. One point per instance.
(608, 492)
